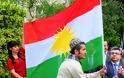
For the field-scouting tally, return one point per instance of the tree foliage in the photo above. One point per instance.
(11, 22)
(43, 8)
(11, 15)
(113, 13)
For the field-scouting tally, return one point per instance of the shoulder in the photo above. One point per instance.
(71, 64)
(10, 65)
(108, 63)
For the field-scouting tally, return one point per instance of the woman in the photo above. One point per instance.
(16, 60)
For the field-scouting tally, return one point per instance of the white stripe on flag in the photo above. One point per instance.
(37, 52)
(89, 25)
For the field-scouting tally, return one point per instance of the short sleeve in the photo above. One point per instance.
(9, 64)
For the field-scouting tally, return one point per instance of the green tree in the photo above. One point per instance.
(11, 22)
(113, 13)
(44, 8)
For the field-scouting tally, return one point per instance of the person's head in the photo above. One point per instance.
(115, 54)
(0, 49)
(106, 46)
(13, 47)
(78, 48)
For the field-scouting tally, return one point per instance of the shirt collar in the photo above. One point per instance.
(116, 63)
(72, 56)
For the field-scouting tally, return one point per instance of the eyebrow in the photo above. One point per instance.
(115, 52)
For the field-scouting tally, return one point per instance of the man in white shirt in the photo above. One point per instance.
(71, 67)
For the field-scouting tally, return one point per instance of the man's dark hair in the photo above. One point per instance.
(77, 47)
(115, 48)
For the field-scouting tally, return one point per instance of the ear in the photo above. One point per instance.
(76, 52)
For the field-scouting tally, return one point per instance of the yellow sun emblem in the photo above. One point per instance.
(62, 40)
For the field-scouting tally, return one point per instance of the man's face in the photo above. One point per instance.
(115, 55)
(82, 52)
(105, 46)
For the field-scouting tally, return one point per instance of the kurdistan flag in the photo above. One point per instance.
(47, 39)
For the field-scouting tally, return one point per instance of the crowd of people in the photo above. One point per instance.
(71, 67)
(114, 61)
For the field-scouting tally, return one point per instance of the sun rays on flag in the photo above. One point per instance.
(62, 40)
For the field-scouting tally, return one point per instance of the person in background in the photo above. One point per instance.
(16, 60)
(106, 51)
(115, 65)
(71, 67)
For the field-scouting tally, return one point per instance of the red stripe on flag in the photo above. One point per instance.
(43, 28)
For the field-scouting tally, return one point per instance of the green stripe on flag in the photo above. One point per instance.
(49, 68)
(94, 56)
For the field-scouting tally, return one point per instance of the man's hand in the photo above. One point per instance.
(115, 76)
(102, 71)
(121, 70)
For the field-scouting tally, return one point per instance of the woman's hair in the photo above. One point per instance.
(10, 45)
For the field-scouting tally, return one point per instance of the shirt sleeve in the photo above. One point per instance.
(10, 66)
(91, 75)
(77, 72)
